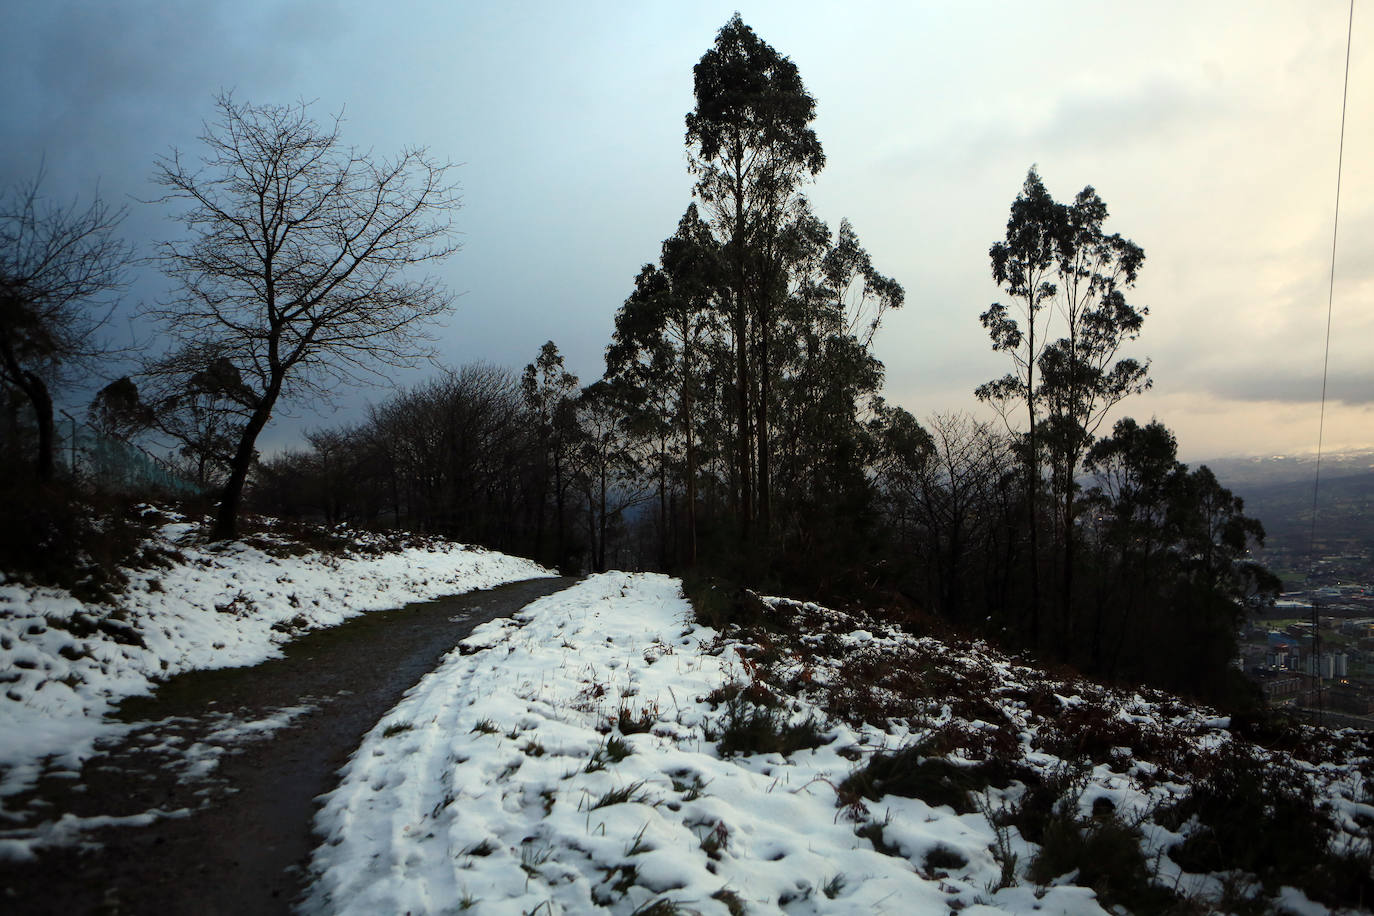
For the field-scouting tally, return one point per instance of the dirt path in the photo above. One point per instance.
(238, 756)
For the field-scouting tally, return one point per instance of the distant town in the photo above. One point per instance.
(1320, 665)
(1312, 650)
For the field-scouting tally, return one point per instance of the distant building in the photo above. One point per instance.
(1330, 666)
(1283, 645)
(1293, 652)
(1359, 627)
(1279, 688)
(1357, 700)
(1300, 630)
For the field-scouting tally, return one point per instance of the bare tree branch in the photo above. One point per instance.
(295, 264)
(59, 268)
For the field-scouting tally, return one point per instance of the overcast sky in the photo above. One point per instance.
(1209, 128)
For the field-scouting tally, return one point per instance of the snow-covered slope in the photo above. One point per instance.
(63, 664)
(595, 754)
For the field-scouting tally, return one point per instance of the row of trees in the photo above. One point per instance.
(532, 464)
(1161, 552)
(1062, 271)
(738, 428)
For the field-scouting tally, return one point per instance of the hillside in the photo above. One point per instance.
(604, 750)
(607, 748)
(66, 663)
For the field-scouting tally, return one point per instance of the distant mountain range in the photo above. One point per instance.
(1278, 490)
(1278, 469)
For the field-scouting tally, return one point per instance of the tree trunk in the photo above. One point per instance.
(1032, 472)
(226, 526)
(541, 505)
(558, 509)
(691, 469)
(42, 411)
(764, 483)
(663, 519)
(743, 449)
(36, 390)
(395, 497)
(601, 546)
(1070, 618)
(591, 528)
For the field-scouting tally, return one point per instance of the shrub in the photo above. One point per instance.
(55, 535)
(719, 603)
(754, 724)
(1105, 851)
(484, 848)
(1042, 799)
(943, 858)
(631, 723)
(873, 832)
(613, 750)
(1262, 819)
(734, 903)
(1251, 816)
(1346, 879)
(916, 771)
(716, 840)
(291, 538)
(1094, 731)
(634, 792)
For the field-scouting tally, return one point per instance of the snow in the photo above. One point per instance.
(199, 760)
(495, 782)
(64, 665)
(569, 759)
(69, 828)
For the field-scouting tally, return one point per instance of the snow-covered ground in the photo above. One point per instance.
(64, 664)
(567, 760)
(501, 780)
(602, 751)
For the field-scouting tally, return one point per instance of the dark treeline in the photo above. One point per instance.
(739, 429)
(738, 433)
(530, 464)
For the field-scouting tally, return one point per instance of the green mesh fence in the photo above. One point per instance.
(114, 464)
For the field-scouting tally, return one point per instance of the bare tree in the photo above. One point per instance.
(58, 266)
(295, 266)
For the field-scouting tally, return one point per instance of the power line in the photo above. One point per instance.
(1326, 356)
(1331, 286)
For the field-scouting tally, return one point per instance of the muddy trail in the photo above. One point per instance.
(230, 763)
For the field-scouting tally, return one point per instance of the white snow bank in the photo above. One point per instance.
(500, 783)
(64, 664)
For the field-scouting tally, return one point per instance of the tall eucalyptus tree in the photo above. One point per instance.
(751, 147)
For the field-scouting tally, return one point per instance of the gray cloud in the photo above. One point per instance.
(1261, 382)
(99, 79)
(1097, 122)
